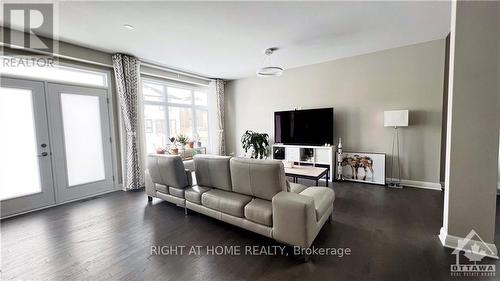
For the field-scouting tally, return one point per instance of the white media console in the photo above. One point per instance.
(317, 156)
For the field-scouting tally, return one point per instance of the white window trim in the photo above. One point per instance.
(67, 65)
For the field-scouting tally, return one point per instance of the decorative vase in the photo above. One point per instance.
(174, 151)
(198, 143)
(191, 144)
(340, 176)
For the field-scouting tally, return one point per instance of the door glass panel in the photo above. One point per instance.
(155, 127)
(16, 67)
(180, 120)
(19, 167)
(82, 138)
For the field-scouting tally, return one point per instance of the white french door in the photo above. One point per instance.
(25, 168)
(80, 140)
(55, 142)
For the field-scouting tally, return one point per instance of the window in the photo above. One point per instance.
(154, 117)
(179, 96)
(170, 110)
(16, 67)
(180, 120)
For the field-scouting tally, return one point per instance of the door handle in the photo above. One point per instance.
(43, 154)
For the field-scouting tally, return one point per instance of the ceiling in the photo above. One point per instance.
(227, 39)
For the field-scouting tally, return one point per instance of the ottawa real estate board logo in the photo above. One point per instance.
(474, 250)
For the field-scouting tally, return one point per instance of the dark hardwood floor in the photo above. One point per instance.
(392, 235)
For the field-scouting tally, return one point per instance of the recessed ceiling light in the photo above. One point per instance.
(128, 26)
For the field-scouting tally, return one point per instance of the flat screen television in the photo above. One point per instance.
(304, 127)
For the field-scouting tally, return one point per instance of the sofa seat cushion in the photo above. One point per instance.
(323, 198)
(296, 187)
(260, 211)
(227, 202)
(177, 192)
(193, 194)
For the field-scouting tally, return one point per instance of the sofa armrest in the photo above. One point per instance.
(150, 186)
(294, 219)
(295, 187)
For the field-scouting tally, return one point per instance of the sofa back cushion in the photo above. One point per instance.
(258, 178)
(167, 170)
(212, 171)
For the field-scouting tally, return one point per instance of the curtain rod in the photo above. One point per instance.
(180, 72)
(173, 79)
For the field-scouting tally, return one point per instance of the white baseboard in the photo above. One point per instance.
(451, 241)
(419, 184)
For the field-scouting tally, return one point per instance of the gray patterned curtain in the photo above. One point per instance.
(126, 70)
(219, 91)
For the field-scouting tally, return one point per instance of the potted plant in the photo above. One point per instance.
(198, 140)
(173, 150)
(160, 150)
(258, 143)
(182, 140)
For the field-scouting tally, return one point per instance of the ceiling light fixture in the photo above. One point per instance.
(128, 26)
(268, 71)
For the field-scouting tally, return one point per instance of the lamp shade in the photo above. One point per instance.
(396, 118)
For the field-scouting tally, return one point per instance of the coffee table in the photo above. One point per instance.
(308, 172)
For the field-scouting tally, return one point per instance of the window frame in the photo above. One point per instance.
(193, 107)
(71, 66)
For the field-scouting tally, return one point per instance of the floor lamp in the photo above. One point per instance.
(395, 119)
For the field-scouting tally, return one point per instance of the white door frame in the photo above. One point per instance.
(113, 132)
(64, 192)
(46, 196)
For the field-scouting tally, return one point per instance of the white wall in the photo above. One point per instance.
(359, 88)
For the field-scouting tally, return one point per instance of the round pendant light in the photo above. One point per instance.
(268, 71)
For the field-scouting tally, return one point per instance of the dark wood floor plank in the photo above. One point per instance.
(392, 235)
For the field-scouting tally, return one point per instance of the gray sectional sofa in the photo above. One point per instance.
(249, 193)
